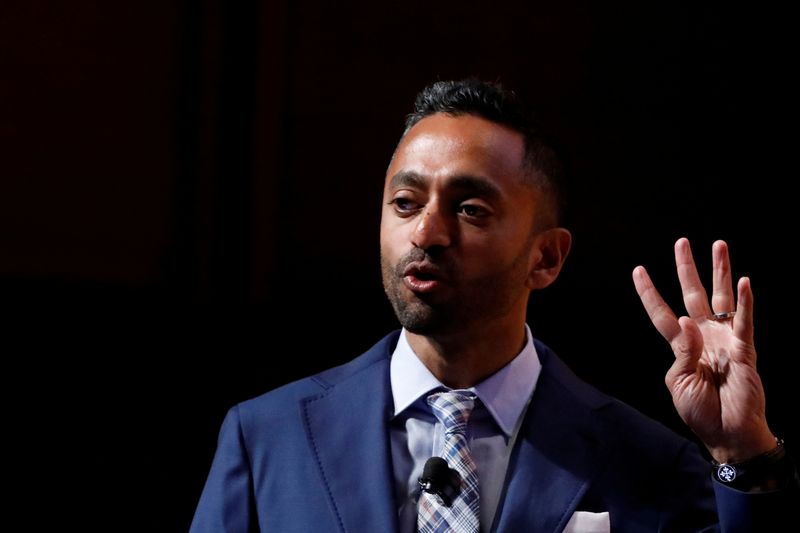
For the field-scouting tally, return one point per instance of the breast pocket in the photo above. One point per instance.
(586, 522)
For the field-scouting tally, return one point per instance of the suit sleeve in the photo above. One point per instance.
(736, 511)
(227, 503)
(761, 511)
(687, 503)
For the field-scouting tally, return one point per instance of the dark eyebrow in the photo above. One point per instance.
(475, 186)
(471, 185)
(407, 178)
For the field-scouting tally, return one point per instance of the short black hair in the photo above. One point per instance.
(495, 103)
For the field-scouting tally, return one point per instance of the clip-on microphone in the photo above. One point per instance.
(439, 479)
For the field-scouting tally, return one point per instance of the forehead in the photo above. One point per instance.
(442, 146)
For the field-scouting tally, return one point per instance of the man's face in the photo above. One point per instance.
(457, 225)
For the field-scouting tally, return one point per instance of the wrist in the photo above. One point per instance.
(767, 471)
(740, 450)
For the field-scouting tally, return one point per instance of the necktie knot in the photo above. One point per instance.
(452, 409)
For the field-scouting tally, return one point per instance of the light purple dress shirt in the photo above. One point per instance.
(416, 435)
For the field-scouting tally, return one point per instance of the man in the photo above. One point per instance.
(469, 228)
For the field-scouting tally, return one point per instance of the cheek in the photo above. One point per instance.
(480, 244)
(388, 241)
(493, 253)
(394, 235)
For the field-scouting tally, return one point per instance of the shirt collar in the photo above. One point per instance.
(505, 393)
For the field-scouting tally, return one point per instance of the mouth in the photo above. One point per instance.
(423, 278)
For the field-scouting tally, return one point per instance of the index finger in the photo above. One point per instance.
(660, 313)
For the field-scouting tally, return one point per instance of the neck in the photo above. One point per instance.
(463, 359)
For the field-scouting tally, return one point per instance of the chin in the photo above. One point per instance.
(420, 327)
(423, 320)
(416, 314)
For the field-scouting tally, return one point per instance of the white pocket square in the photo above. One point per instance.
(586, 522)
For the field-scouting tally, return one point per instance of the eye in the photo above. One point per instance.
(404, 205)
(473, 211)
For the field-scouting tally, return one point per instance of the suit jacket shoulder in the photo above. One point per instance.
(275, 403)
(619, 423)
(312, 455)
(582, 450)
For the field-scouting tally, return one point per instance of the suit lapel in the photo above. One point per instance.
(347, 428)
(555, 458)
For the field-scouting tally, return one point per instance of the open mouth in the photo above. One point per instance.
(423, 278)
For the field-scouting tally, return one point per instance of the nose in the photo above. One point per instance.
(434, 230)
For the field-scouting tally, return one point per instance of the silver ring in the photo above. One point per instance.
(723, 316)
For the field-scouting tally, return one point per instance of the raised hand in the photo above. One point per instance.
(714, 382)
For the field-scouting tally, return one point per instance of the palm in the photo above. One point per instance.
(716, 397)
(713, 381)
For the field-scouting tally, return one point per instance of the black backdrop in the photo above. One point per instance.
(190, 203)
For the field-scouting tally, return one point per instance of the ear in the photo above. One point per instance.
(548, 253)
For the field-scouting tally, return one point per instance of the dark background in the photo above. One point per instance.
(190, 200)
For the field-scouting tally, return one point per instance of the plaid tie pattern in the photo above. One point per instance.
(453, 409)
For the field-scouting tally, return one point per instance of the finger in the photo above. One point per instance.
(694, 295)
(743, 320)
(687, 347)
(657, 309)
(722, 295)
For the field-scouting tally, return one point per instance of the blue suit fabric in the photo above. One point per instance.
(314, 456)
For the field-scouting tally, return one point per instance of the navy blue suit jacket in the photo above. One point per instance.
(314, 456)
